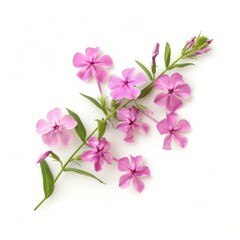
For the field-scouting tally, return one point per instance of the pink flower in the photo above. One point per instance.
(99, 154)
(134, 171)
(92, 64)
(55, 129)
(43, 156)
(173, 129)
(130, 120)
(126, 87)
(173, 89)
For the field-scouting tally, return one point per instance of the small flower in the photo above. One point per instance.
(91, 64)
(130, 120)
(43, 156)
(173, 129)
(99, 154)
(155, 53)
(173, 89)
(126, 87)
(55, 129)
(134, 171)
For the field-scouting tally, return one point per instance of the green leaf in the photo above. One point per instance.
(167, 54)
(80, 129)
(181, 65)
(145, 92)
(48, 181)
(145, 70)
(82, 173)
(55, 156)
(101, 128)
(95, 102)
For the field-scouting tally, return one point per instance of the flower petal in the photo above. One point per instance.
(88, 156)
(129, 136)
(138, 184)
(162, 99)
(173, 103)
(85, 73)
(183, 91)
(43, 126)
(162, 83)
(123, 114)
(99, 74)
(64, 137)
(133, 93)
(136, 162)
(104, 61)
(172, 120)
(167, 142)
(98, 164)
(127, 73)
(138, 79)
(175, 80)
(120, 93)
(124, 165)
(50, 138)
(92, 53)
(115, 82)
(93, 142)
(181, 140)
(163, 127)
(125, 180)
(67, 122)
(124, 127)
(183, 126)
(54, 115)
(80, 60)
(143, 171)
(108, 157)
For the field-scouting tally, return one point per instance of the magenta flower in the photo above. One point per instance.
(92, 64)
(55, 129)
(126, 87)
(173, 129)
(134, 171)
(173, 89)
(130, 120)
(99, 154)
(43, 156)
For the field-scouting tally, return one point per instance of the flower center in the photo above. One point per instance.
(172, 130)
(170, 91)
(56, 127)
(133, 171)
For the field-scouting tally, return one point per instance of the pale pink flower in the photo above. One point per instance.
(130, 120)
(173, 129)
(99, 154)
(55, 128)
(43, 156)
(91, 64)
(173, 89)
(134, 171)
(126, 87)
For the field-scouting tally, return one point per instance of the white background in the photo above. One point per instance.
(193, 193)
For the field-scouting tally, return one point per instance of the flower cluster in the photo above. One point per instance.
(123, 112)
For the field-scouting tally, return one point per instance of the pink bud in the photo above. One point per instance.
(155, 51)
(191, 42)
(43, 156)
(209, 41)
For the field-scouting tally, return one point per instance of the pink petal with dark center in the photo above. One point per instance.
(138, 184)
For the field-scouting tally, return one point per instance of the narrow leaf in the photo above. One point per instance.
(48, 182)
(95, 102)
(101, 128)
(82, 173)
(55, 156)
(145, 70)
(80, 129)
(167, 54)
(181, 65)
(145, 92)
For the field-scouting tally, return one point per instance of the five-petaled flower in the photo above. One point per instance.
(173, 89)
(91, 64)
(130, 120)
(55, 129)
(173, 129)
(134, 171)
(126, 87)
(99, 154)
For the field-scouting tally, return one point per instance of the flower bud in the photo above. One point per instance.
(155, 53)
(43, 156)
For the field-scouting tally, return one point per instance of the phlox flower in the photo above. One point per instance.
(134, 171)
(55, 128)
